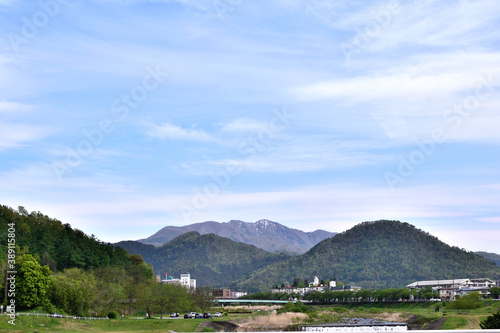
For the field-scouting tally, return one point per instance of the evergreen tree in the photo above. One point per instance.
(492, 322)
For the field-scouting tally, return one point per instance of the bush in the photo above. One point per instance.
(470, 301)
(291, 307)
(112, 315)
(492, 322)
(49, 307)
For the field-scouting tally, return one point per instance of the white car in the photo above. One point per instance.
(217, 314)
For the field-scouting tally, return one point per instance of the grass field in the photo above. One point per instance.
(44, 324)
(456, 319)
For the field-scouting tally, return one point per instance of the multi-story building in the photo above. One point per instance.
(184, 280)
(221, 293)
(238, 294)
(448, 289)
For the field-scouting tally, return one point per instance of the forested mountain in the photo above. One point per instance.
(56, 244)
(63, 270)
(264, 234)
(376, 254)
(212, 260)
(490, 256)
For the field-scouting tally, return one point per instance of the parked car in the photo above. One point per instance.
(207, 316)
(199, 316)
(56, 315)
(174, 314)
(217, 314)
(187, 316)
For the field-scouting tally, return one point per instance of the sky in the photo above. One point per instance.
(121, 117)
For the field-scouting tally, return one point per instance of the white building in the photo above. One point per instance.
(316, 281)
(185, 280)
(448, 289)
(238, 294)
(436, 284)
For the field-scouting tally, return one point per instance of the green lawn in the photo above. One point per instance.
(44, 324)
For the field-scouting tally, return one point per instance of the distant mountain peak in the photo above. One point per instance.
(266, 224)
(265, 234)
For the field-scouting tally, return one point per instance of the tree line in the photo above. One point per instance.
(63, 270)
(368, 295)
(97, 292)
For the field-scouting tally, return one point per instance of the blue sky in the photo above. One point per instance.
(122, 117)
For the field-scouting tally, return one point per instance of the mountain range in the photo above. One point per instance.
(490, 256)
(264, 234)
(374, 255)
(213, 260)
(371, 254)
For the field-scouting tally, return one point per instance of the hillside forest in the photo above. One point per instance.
(63, 270)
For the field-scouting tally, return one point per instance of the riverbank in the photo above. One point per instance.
(262, 318)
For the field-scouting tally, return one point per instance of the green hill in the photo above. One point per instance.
(376, 255)
(211, 259)
(490, 256)
(56, 244)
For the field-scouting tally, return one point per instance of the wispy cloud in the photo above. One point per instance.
(14, 135)
(15, 107)
(243, 125)
(173, 132)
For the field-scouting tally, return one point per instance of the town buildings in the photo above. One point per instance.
(315, 286)
(449, 289)
(185, 280)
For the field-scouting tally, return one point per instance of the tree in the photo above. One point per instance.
(495, 292)
(146, 297)
(32, 282)
(74, 291)
(110, 283)
(169, 298)
(492, 322)
(203, 298)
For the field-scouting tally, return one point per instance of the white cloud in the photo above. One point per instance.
(169, 131)
(15, 107)
(490, 219)
(17, 135)
(243, 125)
